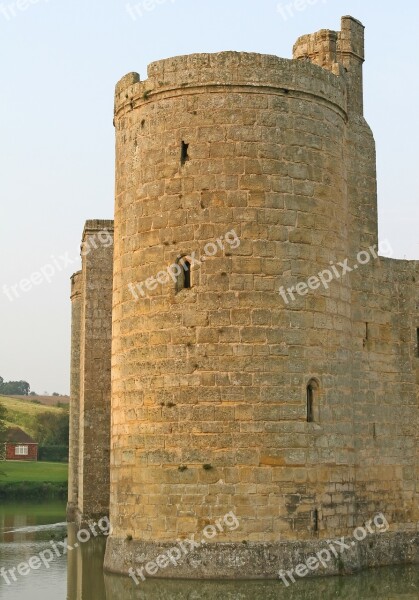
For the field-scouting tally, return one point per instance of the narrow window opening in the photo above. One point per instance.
(313, 409)
(367, 334)
(417, 342)
(186, 274)
(315, 520)
(310, 404)
(184, 156)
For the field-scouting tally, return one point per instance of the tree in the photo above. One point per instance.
(3, 428)
(24, 387)
(14, 388)
(52, 429)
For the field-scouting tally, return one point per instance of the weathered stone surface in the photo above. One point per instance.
(73, 460)
(210, 384)
(258, 560)
(91, 381)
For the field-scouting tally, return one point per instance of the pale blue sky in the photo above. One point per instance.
(60, 62)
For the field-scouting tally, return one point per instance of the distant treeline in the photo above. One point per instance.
(53, 453)
(14, 388)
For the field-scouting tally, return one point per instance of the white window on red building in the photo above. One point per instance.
(21, 451)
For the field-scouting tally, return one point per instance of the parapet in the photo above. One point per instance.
(320, 48)
(241, 71)
(340, 54)
(95, 225)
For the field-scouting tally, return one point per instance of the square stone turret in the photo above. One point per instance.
(340, 52)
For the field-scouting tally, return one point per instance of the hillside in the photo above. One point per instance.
(22, 413)
(47, 400)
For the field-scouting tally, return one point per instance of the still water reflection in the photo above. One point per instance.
(26, 530)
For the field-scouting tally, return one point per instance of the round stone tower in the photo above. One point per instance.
(231, 379)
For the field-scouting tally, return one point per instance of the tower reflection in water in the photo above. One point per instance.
(85, 579)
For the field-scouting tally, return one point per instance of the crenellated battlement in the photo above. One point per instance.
(339, 53)
(247, 71)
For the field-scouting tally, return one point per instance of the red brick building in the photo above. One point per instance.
(20, 446)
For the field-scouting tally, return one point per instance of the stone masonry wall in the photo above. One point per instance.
(95, 377)
(385, 314)
(209, 383)
(73, 460)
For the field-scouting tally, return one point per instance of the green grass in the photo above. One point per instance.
(27, 407)
(39, 472)
(32, 480)
(22, 413)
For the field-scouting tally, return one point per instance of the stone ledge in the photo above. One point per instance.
(254, 560)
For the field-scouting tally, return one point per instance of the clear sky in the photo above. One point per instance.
(60, 62)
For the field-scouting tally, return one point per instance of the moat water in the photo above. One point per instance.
(29, 530)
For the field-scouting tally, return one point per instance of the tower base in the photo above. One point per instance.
(254, 560)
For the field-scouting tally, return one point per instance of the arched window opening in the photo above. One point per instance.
(184, 276)
(310, 404)
(312, 401)
(186, 265)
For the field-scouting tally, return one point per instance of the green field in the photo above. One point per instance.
(28, 481)
(39, 472)
(22, 413)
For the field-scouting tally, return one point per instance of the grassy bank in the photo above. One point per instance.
(23, 413)
(33, 480)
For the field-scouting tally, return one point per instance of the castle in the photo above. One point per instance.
(243, 348)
